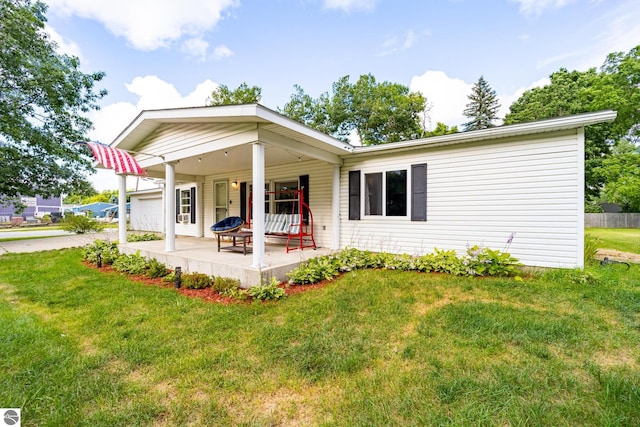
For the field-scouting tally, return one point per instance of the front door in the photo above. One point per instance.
(221, 198)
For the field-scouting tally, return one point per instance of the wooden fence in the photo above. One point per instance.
(612, 220)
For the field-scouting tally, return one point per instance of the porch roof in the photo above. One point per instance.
(286, 139)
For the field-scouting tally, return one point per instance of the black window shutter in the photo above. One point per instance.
(193, 205)
(304, 185)
(354, 195)
(243, 200)
(177, 204)
(419, 192)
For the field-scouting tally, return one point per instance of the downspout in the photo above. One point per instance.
(335, 208)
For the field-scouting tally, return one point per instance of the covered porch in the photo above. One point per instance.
(200, 254)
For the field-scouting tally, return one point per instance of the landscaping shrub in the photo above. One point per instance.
(267, 291)
(196, 281)
(145, 237)
(132, 264)
(223, 285)
(81, 224)
(314, 270)
(156, 269)
(108, 252)
(483, 261)
(591, 245)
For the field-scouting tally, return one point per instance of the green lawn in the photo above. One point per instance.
(622, 239)
(80, 347)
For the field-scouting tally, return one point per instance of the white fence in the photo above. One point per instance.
(612, 220)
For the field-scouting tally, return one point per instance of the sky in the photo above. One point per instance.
(174, 53)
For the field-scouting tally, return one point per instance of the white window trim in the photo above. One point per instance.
(363, 189)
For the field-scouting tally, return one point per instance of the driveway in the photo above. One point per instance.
(65, 240)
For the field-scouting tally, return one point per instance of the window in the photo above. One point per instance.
(389, 190)
(185, 201)
(285, 197)
(390, 193)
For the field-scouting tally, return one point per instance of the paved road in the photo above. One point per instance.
(63, 241)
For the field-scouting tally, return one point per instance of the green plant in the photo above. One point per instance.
(81, 224)
(196, 281)
(591, 246)
(156, 269)
(108, 252)
(314, 270)
(145, 237)
(132, 264)
(443, 261)
(224, 284)
(482, 261)
(267, 291)
(237, 293)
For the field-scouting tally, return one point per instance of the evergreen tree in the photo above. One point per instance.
(483, 108)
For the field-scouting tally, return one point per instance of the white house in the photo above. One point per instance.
(451, 191)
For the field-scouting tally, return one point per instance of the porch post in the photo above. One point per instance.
(335, 208)
(122, 208)
(258, 205)
(170, 207)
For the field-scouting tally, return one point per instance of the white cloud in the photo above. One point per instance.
(148, 24)
(196, 48)
(66, 47)
(536, 7)
(221, 52)
(447, 96)
(153, 93)
(507, 99)
(351, 5)
(397, 44)
(620, 31)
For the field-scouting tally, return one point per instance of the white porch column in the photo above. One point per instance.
(170, 207)
(335, 208)
(122, 208)
(258, 205)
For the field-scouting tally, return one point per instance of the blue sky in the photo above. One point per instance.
(171, 53)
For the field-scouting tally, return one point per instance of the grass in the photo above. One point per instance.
(82, 347)
(622, 239)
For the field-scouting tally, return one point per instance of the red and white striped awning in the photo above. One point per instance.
(115, 158)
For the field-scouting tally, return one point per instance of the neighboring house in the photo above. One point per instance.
(37, 207)
(446, 192)
(95, 210)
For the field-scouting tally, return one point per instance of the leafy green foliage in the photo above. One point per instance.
(156, 269)
(81, 224)
(591, 245)
(108, 252)
(196, 281)
(483, 108)
(243, 94)
(132, 264)
(267, 291)
(377, 112)
(144, 237)
(225, 284)
(621, 173)
(478, 262)
(615, 87)
(43, 104)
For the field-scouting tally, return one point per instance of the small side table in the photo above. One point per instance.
(235, 246)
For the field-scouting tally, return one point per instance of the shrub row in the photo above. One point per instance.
(106, 253)
(479, 261)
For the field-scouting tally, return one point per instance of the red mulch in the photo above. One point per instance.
(209, 294)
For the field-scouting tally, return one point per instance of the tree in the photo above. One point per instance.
(243, 94)
(442, 129)
(377, 112)
(483, 108)
(616, 87)
(43, 99)
(621, 172)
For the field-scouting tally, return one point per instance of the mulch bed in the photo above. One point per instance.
(208, 294)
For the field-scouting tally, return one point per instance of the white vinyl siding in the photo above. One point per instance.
(479, 194)
(320, 177)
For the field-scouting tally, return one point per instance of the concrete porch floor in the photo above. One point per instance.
(200, 254)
